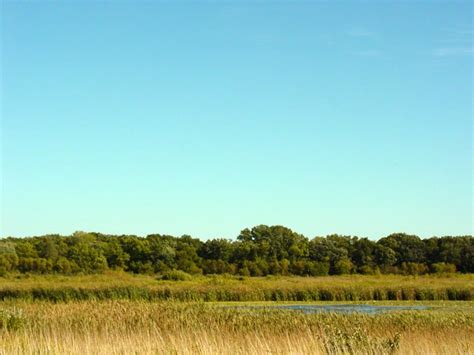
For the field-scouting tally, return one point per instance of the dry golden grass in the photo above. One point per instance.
(135, 327)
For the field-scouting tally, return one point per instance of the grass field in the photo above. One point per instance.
(119, 313)
(230, 288)
(168, 327)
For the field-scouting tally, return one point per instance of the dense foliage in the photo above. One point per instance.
(262, 250)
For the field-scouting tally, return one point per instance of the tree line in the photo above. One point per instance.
(259, 251)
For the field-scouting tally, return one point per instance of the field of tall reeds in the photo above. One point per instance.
(167, 327)
(116, 286)
(123, 313)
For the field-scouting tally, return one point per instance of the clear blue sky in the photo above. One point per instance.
(205, 118)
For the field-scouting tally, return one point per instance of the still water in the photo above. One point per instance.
(342, 308)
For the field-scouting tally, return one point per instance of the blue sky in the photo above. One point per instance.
(205, 118)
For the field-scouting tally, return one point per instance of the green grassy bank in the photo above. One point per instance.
(116, 286)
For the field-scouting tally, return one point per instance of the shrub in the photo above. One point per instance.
(176, 275)
(315, 268)
(414, 268)
(343, 266)
(11, 319)
(443, 268)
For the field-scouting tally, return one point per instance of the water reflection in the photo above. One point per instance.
(341, 308)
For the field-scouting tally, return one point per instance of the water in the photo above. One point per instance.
(343, 308)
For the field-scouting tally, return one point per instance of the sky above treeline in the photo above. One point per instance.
(204, 118)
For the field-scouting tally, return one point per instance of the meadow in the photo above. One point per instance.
(121, 313)
(121, 285)
(125, 327)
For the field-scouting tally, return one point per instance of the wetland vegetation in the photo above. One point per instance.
(114, 327)
(270, 291)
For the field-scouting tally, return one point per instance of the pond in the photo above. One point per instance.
(343, 308)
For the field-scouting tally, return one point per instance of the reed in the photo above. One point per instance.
(116, 286)
(112, 327)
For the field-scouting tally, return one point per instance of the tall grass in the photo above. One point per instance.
(116, 286)
(112, 327)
